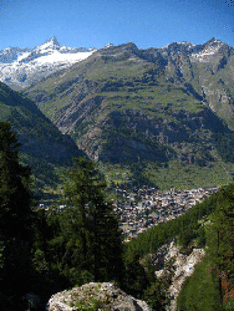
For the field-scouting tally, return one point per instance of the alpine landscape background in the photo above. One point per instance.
(158, 126)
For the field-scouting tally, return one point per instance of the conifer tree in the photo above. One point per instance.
(96, 225)
(15, 216)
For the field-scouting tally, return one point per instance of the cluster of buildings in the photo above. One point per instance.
(144, 208)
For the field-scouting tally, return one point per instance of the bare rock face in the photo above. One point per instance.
(95, 296)
(184, 266)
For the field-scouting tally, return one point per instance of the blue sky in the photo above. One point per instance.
(148, 23)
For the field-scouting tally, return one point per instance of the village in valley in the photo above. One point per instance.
(144, 208)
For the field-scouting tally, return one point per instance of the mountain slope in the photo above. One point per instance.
(43, 146)
(164, 108)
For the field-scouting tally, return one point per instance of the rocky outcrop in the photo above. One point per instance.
(184, 266)
(95, 296)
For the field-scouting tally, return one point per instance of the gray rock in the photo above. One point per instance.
(98, 296)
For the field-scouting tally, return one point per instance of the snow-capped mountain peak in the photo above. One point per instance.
(53, 40)
(22, 66)
(52, 43)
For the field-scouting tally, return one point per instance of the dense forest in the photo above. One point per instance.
(45, 251)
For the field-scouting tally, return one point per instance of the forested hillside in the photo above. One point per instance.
(214, 277)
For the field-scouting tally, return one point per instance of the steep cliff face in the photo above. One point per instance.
(123, 105)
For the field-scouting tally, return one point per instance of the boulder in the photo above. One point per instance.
(95, 296)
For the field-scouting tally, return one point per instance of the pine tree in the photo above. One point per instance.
(15, 216)
(94, 222)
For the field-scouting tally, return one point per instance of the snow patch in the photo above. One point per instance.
(208, 51)
(56, 56)
(22, 56)
(108, 45)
